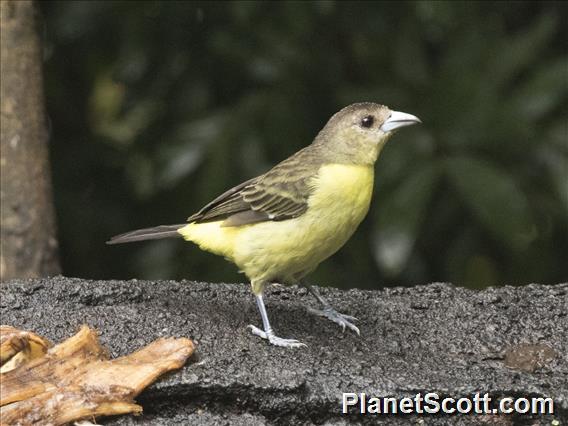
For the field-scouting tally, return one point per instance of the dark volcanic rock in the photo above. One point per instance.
(434, 338)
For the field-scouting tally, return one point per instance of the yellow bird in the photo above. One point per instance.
(279, 226)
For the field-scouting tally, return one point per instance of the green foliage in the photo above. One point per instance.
(157, 107)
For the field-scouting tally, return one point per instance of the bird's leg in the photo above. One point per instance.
(268, 333)
(330, 313)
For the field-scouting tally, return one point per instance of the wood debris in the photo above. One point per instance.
(18, 347)
(75, 380)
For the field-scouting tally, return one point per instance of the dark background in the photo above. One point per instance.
(157, 107)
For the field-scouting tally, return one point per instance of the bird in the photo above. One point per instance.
(279, 226)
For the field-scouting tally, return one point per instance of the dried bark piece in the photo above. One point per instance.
(18, 347)
(61, 406)
(75, 380)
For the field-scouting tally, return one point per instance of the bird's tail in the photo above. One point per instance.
(155, 233)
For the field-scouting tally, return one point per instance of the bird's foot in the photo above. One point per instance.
(338, 318)
(275, 340)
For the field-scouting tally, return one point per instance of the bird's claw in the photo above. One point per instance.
(338, 318)
(275, 340)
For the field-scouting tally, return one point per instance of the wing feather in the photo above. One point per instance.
(280, 194)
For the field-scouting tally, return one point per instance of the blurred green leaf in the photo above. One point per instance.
(141, 175)
(494, 199)
(544, 91)
(410, 56)
(557, 165)
(399, 217)
(480, 269)
(184, 151)
(512, 55)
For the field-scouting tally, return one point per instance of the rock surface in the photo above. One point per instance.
(508, 341)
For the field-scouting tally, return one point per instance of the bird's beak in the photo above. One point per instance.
(399, 119)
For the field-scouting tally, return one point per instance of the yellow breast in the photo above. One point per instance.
(342, 193)
(290, 249)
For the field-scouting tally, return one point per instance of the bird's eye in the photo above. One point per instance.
(367, 121)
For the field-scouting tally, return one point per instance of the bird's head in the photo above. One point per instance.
(357, 133)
